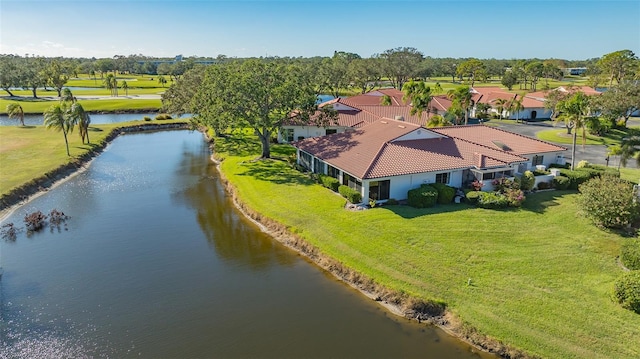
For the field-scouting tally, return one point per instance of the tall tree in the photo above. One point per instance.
(501, 105)
(618, 64)
(534, 71)
(516, 106)
(509, 79)
(573, 112)
(77, 115)
(9, 73)
(620, 101)
(262, 95)
(365, 74)
(125, 87)
(460, 103)
(14, 110)
(57, 74)
(401, 64)
(473, 69)
(334, 73)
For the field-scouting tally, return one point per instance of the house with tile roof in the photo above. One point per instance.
(533, 103)
(386, 158)
(354, 112)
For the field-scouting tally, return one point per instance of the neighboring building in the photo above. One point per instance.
(354, 112)
(387, 158)
(490, 96)
(534, 102)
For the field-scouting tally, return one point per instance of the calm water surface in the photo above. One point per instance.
(155, 262)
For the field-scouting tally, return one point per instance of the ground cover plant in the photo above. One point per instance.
(538, 277)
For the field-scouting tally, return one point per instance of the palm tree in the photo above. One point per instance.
(629, 149)
(438, 121)
(162, 80)
(420, 95)
(67, 95)
(57, 117)
(125, 87)
(14, 110)
(516, 106)
(500, 106)
(108, 84)
(385, 100)
(573, 112)
(461, 98)
(77, 114)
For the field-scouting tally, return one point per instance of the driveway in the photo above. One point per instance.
(596, 154)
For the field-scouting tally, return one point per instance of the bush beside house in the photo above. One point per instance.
(445, 193)
(350, 194)
(626, 291)
(422, 197)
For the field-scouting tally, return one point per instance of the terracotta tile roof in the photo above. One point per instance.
(532, 102)
(371, 152)
(490, 94)
(441, 103)
(354, 151)
(375, 98)
(436, 154)
(487, 136)
(391, 112)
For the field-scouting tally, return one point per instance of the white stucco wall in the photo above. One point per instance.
(541, 113)
(400, 185)
(548, 158)
(308, 131)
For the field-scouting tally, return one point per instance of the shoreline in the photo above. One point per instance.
(400, 304)
(36, 187)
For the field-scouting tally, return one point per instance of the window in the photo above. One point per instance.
(332, 171)
(305, 160)
(352, 182)
(330, 131)
(318, 166)
(442, 177)
(537, 160)
(287, 134)
(379, 190)
(499, 174)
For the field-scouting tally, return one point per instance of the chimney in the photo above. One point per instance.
(399, 118)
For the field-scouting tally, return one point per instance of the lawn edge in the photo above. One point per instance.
(397, 303)
(27, 191)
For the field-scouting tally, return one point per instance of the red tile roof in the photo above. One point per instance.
(488, 136)
(375, 98)
(374, 151)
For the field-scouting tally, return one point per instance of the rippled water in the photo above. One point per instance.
(155, 262)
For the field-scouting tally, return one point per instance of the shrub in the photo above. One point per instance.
(492, 200)
(422, 197)
(503, 184)
(147, 118)
(527, 181)
(626, 291)
(476, 185)
(609, 202)
(576, 178)
(329, 182)
(445, 193)
(591, 171)
(350, 194)
(604, 170)
(630, 254)
(540, 173)
(163, 116)
(582, 164)
(514, 197)
(544, 185)
(392, 201)
(472, 197)
(561, 182)
(555, 165)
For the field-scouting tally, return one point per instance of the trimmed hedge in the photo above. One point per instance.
(472, 196)
(329, 182)
(545, 185)
(351, 195)
(604, 170)
(492, 200)
(555, 165)
(527, 181)
(630, 254)
(561, 182)
(626, 291)
(445, 193)
(422, 197)
(576, 178)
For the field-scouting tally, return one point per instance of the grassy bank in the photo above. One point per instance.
(38, 106)
(540, 276)
(613, 137)
(30, 152)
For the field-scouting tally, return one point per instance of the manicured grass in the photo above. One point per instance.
(133, 81)
(98, 91)
(559, 135)
(29, 152)
(38, 106)
(541, 276)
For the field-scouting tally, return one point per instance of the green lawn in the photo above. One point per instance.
(38, 106)
(541, 275)
(559, 135)
(30, 152)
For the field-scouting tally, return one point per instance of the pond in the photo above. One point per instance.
(96, 119)
(155, 261)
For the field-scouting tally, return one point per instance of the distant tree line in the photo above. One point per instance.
(343, 70)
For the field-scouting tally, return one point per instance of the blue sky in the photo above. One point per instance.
(483, 29)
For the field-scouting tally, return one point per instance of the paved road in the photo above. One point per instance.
(593, 153)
